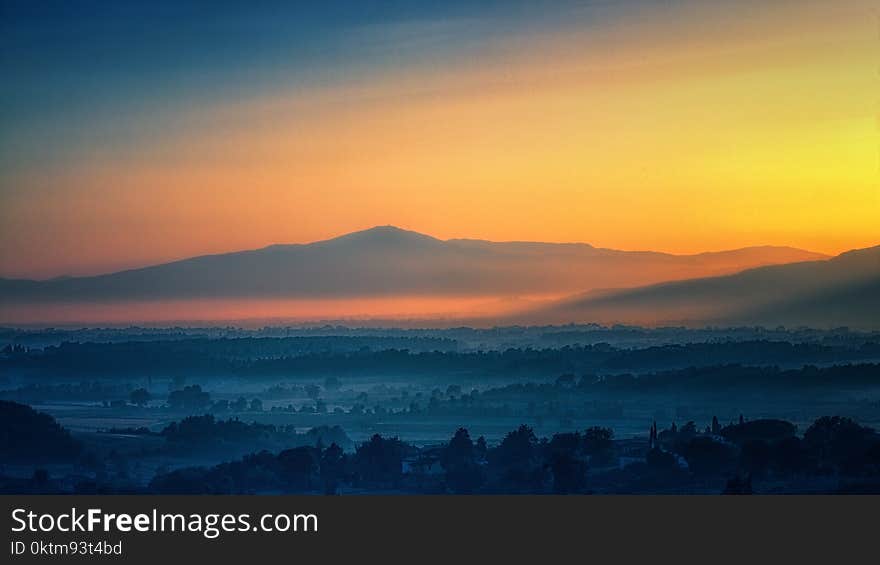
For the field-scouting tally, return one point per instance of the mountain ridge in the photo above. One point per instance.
(394, 231)
(843, 290)
(388, 262)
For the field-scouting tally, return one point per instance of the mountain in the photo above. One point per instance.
(387, 262)
(843, 291)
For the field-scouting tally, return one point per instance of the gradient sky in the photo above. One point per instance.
(134, 134)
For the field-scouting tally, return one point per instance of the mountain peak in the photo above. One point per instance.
(384, 235)
(386, 229)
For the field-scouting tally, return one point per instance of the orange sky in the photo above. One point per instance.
(677, 131)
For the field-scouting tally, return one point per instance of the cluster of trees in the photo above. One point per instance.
(335, 337)
(313, 391)
(594, 397)
(566, 397)
(271, 357)
(577, 462)
(189, 398)
(241, 404)
(769, 448)
(520, 463)
(683, 458)
(300, 469)
(209, 431)
(194, 399)
(602, 397)
(196, 429)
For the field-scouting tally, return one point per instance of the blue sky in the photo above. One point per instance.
(93, 65)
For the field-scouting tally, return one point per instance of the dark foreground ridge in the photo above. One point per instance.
(833, 455)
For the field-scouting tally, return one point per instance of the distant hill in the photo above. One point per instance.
(30, 436)
(387, 261)
(843, 291)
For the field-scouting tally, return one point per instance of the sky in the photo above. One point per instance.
(137, 133)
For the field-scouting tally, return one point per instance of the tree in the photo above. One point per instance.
(755, 457)
(837, 440)
(599, 445)
(190, 398)
(705, 456)
(569, 473)
(790, 456)
(460, 448)
(300, 467)
(571, 443)
(661, 461)
(332, 468)
(598, 439)
(480, 448)
(380, 460)
(140, 397)
(766, 429)
(518, 460)
(687, 431)
(459, 459)
(517, 446)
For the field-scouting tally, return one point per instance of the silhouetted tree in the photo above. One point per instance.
(660, 461)
(380, 460)
(706, 456)
(140, 397)
(332, 468)
(569, 473)
(459, 459)
(189, 398)
(571, 443)
(790, 456)
(300, 467)
(480, 448)
(766, 429)
(599, 445)
(518, 459)
(755, 457)
(838, 441)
